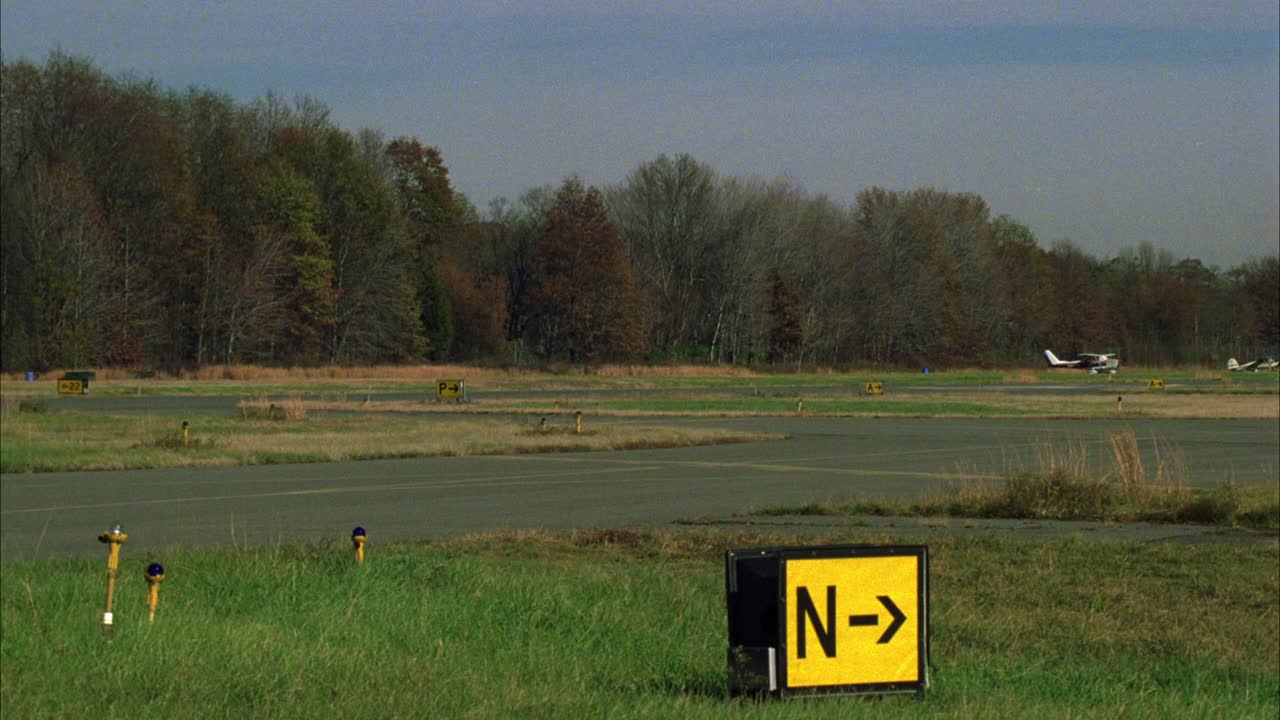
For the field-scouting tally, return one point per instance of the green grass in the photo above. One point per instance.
(624, 625)
(402, 381)
(728, 405)
(61, 441)
(1030, 497)
(1063, 483)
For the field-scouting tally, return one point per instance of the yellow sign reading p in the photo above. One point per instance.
(450, 389)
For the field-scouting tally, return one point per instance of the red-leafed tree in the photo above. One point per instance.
(479, 305)
(584, 303)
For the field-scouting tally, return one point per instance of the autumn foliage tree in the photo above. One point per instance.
(430, 209)
(154, 229)
(584, 302)
(479, 311)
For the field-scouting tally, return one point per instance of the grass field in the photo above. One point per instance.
(620, 624)
(58, 441)
(238, 381)
(829, 404)
(1039, 496)
(596, 624)
(1064, 484)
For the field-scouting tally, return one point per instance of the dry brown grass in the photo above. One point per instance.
(1049, 405)
(672, 371)
(20, 378)
(41, 442)
(349, 441)
(1136, 404)
(1169, 479)
(263, 408)
(430, 373)
(251, 373)
(1252, 407)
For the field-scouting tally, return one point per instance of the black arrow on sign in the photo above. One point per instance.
(870, 620)
(898, 619)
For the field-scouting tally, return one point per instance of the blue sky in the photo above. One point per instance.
(1104, 124)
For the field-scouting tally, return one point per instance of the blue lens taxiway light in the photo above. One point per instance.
(357, 539)
(155, 569)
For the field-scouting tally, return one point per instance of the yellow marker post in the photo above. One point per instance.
(113, 538)
(578, 416)
(186, 431)
(800, 406)
(1119, 403)
(358, 536)
(155, 574)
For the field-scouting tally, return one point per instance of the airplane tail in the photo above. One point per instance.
(1233, 364)
(1053, 359)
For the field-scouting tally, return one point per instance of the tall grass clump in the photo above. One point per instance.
(1066, 484)
(1057, 495)
(12, 406)
(263, 408)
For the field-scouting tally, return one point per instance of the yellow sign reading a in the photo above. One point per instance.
(449, 389)
(854, 621)
(1156, 384)
(70, 387)
(875, 388)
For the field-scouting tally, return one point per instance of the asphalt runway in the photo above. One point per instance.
(51, 515)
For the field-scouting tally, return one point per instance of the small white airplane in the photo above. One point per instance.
(1093, 362)
(1253, 365)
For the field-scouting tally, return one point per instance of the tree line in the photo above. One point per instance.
(155, 228)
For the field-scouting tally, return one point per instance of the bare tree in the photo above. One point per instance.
(667, 211)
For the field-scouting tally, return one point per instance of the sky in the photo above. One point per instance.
(1108, 124)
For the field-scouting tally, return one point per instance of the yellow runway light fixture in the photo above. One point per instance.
(800, 406)
(578, 415)
(358, 536)
(186, 432)
(114, 538)
(155, 574)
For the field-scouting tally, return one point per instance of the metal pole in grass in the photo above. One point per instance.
(114, 538)
(155, 573)
(358, 536)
